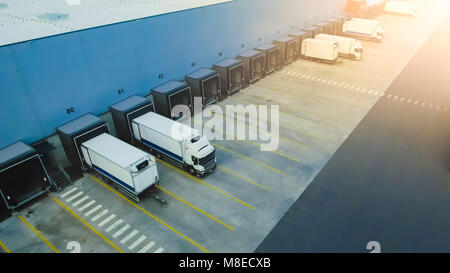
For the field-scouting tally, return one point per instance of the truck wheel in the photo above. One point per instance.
(191, 170)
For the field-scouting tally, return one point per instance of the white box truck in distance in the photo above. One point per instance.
(133, 170)
(320, 50)
(401, 8)
(177, 143)
(363, 29)
(348, 47)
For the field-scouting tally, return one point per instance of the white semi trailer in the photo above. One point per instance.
(348, 47)
(320, 50)
(133, 170)
(363, 29)
(175, 142)
(401, 8)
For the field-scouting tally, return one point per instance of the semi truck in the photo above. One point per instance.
(348, 47)
(405, 8)
(131, 169)
(363, 29)
(320, 50)
(176, 143)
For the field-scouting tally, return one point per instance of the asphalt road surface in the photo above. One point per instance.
(389, 182)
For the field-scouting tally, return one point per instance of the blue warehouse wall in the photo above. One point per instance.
(83, 71)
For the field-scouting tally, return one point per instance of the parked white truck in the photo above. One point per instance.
(363, 29)
(133, 170)
(401, 8)
(348, 47)
(177, 143)
(320, 50)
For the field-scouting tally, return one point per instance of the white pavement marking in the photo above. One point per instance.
(389, 96)
(114, 225)
(159, 250)
(106, 220)
(90, 203)
(80, 201)
(137, 242)
(93, 210)
(376, 93)
(68, 192)
(147, 247)
(416, 102)
(98, 216)
(358, 88)
(120, 231)
(129, 236)
(364, 90)
(74, 196)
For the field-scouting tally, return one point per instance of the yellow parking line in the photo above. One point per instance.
(244, 178)
(206, 184)
(275, 152)
(149, 214)
(249, 159)
(89, 226)
(257, 145)
(194, 207)
(297, 108)
(38, 234)
(290, 128)
(280, 137)
(4, 247)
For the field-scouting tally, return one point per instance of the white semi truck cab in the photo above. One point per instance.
(175, 142)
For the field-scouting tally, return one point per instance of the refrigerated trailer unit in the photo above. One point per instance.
(204, 83)
(232, 77)
(132, 170)
(77, 131)
(288, 49)
(23, 175)
(176, 143)
(272, 53)
(300, 36)
(170, 94)
(404, 8)
(320, 50)
(254, 65)
(348, 47)
(363, 29)
(125, 111)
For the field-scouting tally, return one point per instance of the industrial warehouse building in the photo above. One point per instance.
(91, 92)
